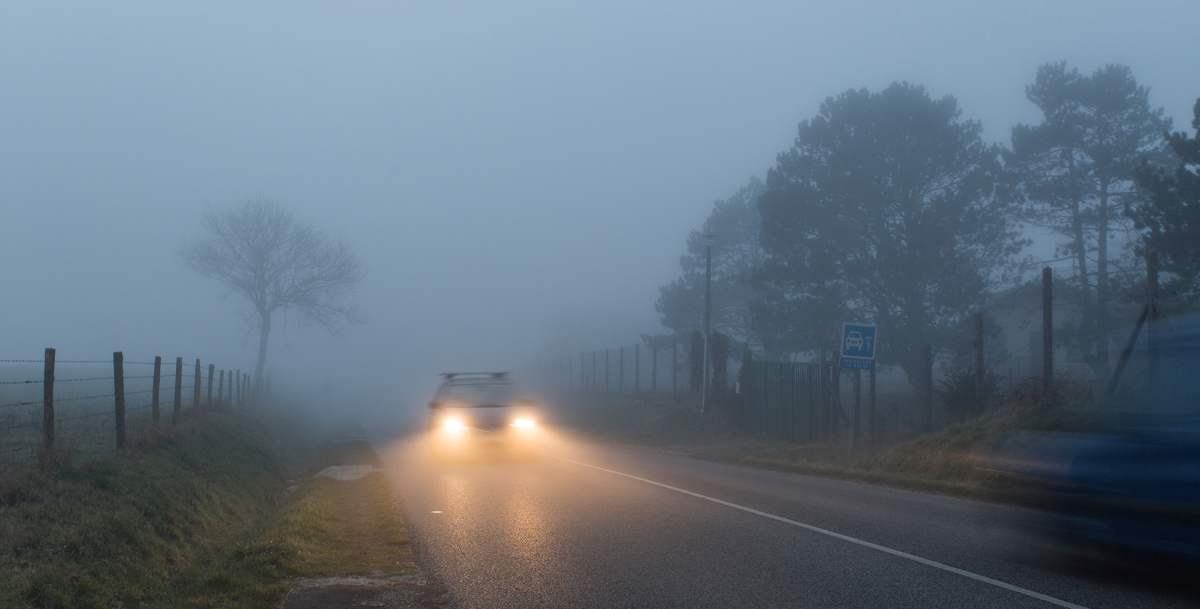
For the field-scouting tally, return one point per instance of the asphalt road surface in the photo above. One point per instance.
(586, 525)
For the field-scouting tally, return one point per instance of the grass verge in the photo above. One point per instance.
(116, 531)
(206, 516)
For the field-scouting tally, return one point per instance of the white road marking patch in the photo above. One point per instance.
(854, 540)
(346, 473)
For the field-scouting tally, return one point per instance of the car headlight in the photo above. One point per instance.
(453, 425)
(524, 424)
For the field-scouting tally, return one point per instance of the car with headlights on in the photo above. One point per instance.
(476, 414)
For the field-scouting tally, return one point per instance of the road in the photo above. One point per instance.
(588, 525)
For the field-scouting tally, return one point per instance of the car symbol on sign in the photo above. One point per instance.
(854, 340)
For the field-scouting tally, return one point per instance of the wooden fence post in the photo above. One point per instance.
(231, 402)
(119, 396)
(156, 385)
(221, 390)
(211, 369)
(178, 390)
(48, 402)
(241, 402)
(196, 386)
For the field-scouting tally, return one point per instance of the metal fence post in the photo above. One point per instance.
(674, 365)
(654, 365)
(927, 373)
(637, 367)
(826, 420)
(871, 409)
(1047, 335)
(978, 359)
(1152, 347)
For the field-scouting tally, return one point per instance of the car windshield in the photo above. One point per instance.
(477, 394)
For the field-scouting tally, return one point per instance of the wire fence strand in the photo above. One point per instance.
(16, 404)
(85, 397)
(85, 424)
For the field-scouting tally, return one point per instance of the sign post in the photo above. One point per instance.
(858, 346)
(858, 354)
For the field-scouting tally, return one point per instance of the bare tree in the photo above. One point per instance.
(261, 251)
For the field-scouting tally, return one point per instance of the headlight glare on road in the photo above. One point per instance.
(453, 425)
(524, 424)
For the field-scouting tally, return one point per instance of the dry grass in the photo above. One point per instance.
(953, 461)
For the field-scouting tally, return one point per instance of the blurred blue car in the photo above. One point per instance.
(1133, 487)
(1136, 490)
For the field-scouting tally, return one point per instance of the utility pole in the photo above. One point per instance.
(708, 241)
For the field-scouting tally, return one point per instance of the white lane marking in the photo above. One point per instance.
(854, 540)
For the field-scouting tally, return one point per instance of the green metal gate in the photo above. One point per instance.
(786, 401)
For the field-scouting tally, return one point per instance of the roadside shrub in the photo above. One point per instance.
(957, 392)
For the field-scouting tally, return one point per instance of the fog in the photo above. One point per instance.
(519, 177)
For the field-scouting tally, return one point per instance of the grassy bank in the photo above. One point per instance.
(210, 515)
(953, 461)
(116, 531)
(957, 460)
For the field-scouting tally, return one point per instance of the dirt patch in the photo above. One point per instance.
(402, 591)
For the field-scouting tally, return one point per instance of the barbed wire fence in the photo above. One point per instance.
(74, 409)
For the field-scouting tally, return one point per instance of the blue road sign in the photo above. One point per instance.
(858, 346)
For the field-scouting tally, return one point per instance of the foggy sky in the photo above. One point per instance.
(520, 177)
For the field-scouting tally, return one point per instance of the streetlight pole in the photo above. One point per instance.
(708, 241)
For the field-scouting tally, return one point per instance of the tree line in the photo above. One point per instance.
(890, 208)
